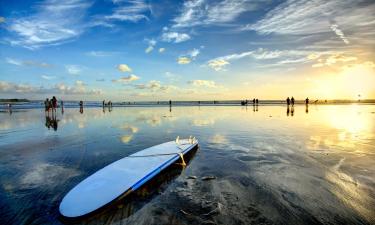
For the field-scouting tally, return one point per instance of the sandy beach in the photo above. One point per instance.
(267, 166)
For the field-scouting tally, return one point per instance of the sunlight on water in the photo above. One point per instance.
(298, 165)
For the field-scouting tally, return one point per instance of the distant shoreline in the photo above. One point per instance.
(74, 104)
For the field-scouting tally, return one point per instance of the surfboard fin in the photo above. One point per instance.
(177, 140)
(182, 160)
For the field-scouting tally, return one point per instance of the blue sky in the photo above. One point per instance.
(182, 50)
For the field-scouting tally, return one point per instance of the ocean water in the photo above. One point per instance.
(271, 165)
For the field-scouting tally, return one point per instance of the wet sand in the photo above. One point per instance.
(269, 166)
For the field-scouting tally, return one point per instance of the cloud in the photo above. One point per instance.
(8, 87)
(149, 49)
(27, 63)
(48, 77)
(53, 23)
(339, 33)
(287, 56)
(124, 68)
(79, 88)
(13, 61)
(154, 85)
(204, 83)
(2, 19)
(161, 50)
(183, 60)
(60, 88)
(100, 53)
(73, 69)
(79, 83)
(132, 11)
(204, 12)
(172, 77)
(188, 57)
(193, 53)
(151, 45)
(307, 17)
(332, 59)
(127, 79)
(100, 80)
(218, 64)
(175, 37)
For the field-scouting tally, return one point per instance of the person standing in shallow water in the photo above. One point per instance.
(307, 101)
(54, 103)
(81, 106)
(292, 100)
(46, 105)
(288, 101)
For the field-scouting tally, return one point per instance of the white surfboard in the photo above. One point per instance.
(122, 176)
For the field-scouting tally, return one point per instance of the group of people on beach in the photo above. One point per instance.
(290, 101)
(246, 102)
(51, 104)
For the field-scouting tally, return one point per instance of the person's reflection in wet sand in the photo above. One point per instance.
(292, 111)
(51, 121)
(307, 108)
(287, 110)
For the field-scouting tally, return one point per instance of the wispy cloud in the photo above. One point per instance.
(188, 56)
(161, 50)
(18, 62)
(175, 37)
(203, 83)
(127, 79)
(132, 10)
(317, 17)
(2, 19)
(328, 60)
(54, 22)
(73, 69)
(154, 85)
(286, 56)
(339, 33)
(100, 53)
(204, 12)
(46, 77)
(151, 45)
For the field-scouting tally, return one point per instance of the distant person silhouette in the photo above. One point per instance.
(62, 106)
(307, 101)
(54, 103)
(254, 101)
(103, 103)
(292, 100)
(81, 107)
(46, 105)
(288, 101)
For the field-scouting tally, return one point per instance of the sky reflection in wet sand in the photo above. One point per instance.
(271, 166)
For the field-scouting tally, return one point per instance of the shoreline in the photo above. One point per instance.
(92, 104)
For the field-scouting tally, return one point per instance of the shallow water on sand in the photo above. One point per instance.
(314, 166)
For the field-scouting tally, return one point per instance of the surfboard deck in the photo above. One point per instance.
(122, 176)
